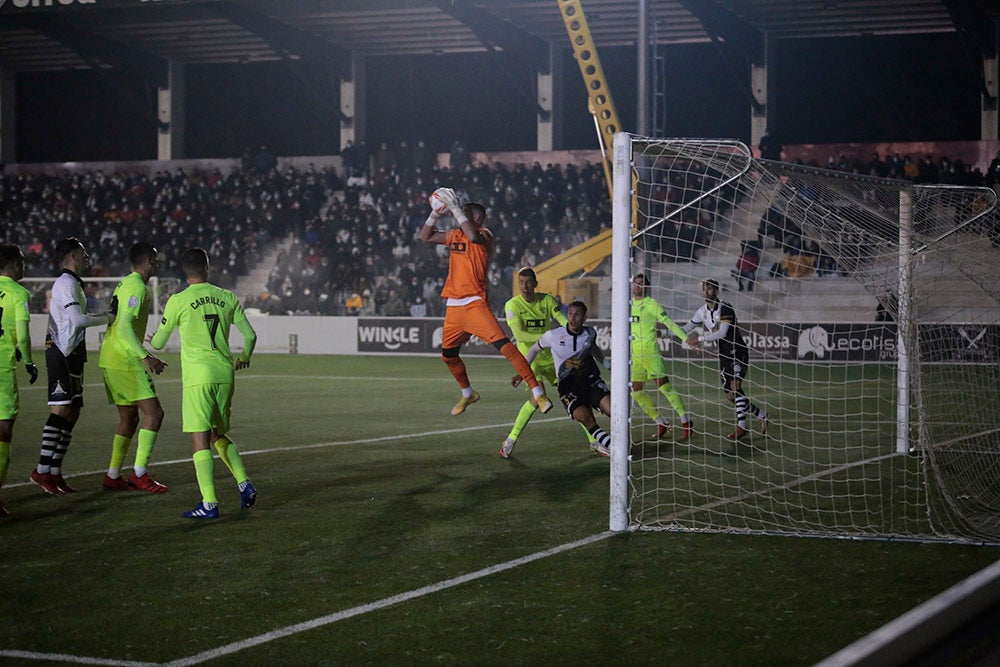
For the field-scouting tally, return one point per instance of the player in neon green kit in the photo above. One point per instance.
(127, 365)
(529, 315)
(647, 362)
(203, 315)
(15, 344)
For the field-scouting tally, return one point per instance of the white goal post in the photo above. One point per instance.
(871, 312)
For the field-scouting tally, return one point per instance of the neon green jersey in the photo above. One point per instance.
(529, 320)
(13, 309)
(203, 314)
(122, 347)
(646, 312)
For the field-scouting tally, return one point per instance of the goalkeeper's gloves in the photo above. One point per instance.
(441, 200)
(32, 372)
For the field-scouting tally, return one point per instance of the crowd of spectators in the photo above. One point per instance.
(361, 254)
(925, 169)
(233, 216)
(354, 247)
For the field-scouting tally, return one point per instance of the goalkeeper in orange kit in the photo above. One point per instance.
(468, 312)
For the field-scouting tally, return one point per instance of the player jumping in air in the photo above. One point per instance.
(468, 313)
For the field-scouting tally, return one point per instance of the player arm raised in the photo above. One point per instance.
(442, 201)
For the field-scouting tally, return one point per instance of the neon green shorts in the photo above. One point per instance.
(207, 407)
(10, 402)
(127, 387)
(647, 364)
(544, 367)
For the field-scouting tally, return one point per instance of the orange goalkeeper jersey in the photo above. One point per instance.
(467, 265)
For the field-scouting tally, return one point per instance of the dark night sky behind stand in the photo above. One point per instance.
(906, 88)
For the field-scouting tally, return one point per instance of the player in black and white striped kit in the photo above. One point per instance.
(576, 355)
(718, 319)
(65, 355)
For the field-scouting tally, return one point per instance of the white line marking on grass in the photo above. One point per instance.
(430, 589)
(318, 445)
(80, 660)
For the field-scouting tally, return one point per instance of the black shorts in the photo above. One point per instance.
(731, 369)
(65, 375)
(588, 390)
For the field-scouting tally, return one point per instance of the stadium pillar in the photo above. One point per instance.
(762, 115)
(989, 129)
(7, 117)
(353, 108)
(170, 111)
(550, 98)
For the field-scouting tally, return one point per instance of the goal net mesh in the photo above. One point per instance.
(836, 324)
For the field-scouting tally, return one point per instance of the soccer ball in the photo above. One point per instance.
(441, 200)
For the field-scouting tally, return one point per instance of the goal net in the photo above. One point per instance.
(870, 309)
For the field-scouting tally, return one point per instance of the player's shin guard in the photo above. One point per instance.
(524, 415)
(231, 457)
(646, 402)
(52, 434)
(457, 368)
(119, 449)
(742, 406)
(601, 436)
(204, 466)
(63, 435)
(520, 364)
(4, 461)
(675, 400)
(145, 441)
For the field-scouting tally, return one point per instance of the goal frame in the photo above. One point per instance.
(623, 237)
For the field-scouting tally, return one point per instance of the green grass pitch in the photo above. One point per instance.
(369, 490)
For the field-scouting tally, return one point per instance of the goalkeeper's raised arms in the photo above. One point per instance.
(443, 199)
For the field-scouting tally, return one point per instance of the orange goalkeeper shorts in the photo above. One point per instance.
(473, 319)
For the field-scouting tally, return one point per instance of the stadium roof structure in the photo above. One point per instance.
(38, 35)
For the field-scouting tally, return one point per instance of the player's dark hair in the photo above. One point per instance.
(140, 252)
(579, 304)
(476, 206)
(528, 272)
(641, 278)
(713, 283)
(65, 247)
(194, 263)
(9, 254)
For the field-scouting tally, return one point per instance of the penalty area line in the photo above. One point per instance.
(430, 589)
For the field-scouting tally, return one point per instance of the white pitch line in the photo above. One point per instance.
(80, 660)
(430, 589)
(317, 445)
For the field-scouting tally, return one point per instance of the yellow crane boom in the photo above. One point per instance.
(552, 274)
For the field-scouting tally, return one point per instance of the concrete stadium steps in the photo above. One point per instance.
(255, 282)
